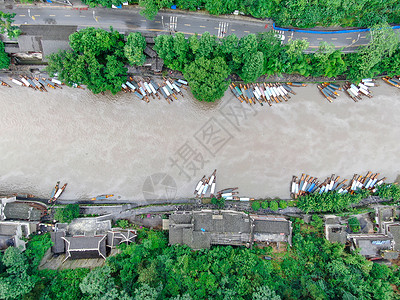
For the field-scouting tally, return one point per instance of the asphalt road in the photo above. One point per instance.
(129, 19)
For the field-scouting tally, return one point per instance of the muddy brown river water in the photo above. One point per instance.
(117, 144)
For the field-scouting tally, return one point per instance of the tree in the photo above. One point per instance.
(97, 60)
(273, 205)
(282, 204)
(151, 7)
(4, 58)
(328, 61)
(354, 224)
(265, 293)
(264, 204)
(134, 46)
(220, 203)
(384, 41)
(146, 292)
(255, 205)
(253, 67)
(6, 21)
(16, 282)
(67, 213)
(207, 78)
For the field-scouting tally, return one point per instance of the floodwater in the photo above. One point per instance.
(117, 144)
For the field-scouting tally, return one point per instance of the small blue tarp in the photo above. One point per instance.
(173, 7)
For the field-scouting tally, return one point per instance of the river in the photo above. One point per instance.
(118, 144)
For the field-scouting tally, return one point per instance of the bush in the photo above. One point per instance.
(273, 205)
(255, 205)
(122, 223)
(67, 214)
(264, 204)
(282, 204)
(220, 203)
(354, 224)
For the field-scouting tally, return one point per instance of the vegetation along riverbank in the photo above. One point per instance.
(206, 61)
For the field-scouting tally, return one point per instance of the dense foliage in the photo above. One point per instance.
(297, 13)
(19, 273)
(254, 55)
(4, 58)
(98, 59)
(312, 269)
(67, 214)
(6, 20)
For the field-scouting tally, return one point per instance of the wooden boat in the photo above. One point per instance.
(17, 82)
(289, 89)
(24, 196)
(200, 191)
(212, 191)
(391, 82)
(199, 184)
(334, 86)
(102, 197)
(55, 190)
(212, 177)
(235, 93)
(298, 84)
(26, 82)
(228, 190)
(324, 94)
(5, 84)
(59, 192)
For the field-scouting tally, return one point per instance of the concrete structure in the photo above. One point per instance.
(13, 209)
(201, 229)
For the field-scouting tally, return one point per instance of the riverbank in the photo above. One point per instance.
(116, 144)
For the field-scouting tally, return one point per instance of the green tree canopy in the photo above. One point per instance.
(135, 44)
(6, 20)
(67, 213)
(207, 78)
(4, 58)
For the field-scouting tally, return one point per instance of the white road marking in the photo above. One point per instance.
(222, 29)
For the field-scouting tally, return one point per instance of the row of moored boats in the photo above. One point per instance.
(306, 184)
(35, 83)
(264, 92)
(144, 89)
(331, 90)
(208, 184)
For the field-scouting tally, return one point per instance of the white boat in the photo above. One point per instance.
(199, 184)
(212, 189)
(56, 81)
(17, 82)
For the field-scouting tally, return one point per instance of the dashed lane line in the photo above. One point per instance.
(334, 39)
(82, 16)
(52, 15)
(202, 26)
(157, 21)
(319, 39)
(67, 15)
(22, 15)
(187, 24)
(246, 31)
(349, 38)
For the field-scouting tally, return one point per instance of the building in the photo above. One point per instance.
(385, 243)
(87, 238)
(39, 41)
(201, 229)
(12, 233)
(78, 247)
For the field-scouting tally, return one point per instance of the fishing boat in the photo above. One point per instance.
(102, 197)
(228, 190)
(5, 84)
(199, 184)
(58, 193)
(298, 84)
(55, 190)
(212, 191)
